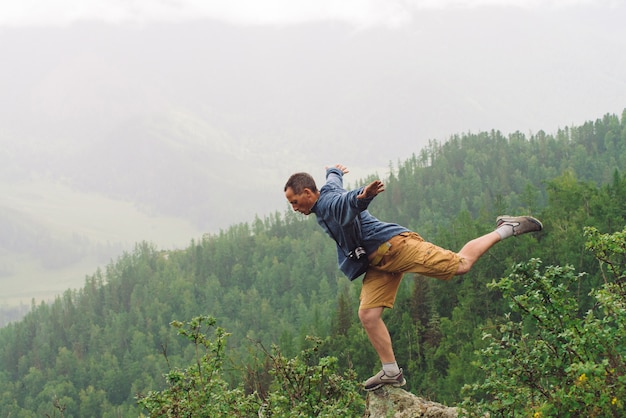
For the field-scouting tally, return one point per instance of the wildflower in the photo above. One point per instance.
(582, 378)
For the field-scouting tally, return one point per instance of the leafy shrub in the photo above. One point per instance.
(549, 359)
(307, 387)
(302, 386)
(199, 390)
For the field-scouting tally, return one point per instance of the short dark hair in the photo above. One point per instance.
(300, 181)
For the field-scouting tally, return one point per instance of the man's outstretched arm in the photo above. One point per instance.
(369, 191)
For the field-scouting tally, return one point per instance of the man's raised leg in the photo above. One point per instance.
(506, 226)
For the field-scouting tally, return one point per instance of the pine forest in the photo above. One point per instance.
(247, 315)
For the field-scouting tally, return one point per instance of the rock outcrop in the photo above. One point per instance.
(390, 402)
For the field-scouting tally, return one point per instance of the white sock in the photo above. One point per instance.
(505, 231)
(391, 369)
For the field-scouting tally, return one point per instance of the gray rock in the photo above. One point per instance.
(390, 402)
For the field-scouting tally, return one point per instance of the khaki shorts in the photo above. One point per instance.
(408, 253)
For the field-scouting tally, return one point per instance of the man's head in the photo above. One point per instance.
(301, 192)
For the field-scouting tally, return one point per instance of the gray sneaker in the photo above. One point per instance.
(520, 224)
(381, 379)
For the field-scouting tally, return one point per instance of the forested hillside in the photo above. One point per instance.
(275, 281)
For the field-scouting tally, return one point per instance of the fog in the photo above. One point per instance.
(120, 125)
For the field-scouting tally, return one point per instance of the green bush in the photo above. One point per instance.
(547, 358)
(305, 386)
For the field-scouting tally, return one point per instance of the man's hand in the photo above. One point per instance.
(372, 190)
(341, 168)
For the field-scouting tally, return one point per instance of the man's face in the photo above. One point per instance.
(302, 202)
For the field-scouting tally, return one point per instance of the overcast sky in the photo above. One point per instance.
(361, 73)
(360, 13)
(423, 68)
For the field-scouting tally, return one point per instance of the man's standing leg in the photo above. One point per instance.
(377, 293)
(377, 332)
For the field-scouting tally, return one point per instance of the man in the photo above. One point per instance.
(384, 251)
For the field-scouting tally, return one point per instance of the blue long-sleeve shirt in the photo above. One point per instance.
(337, 210)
